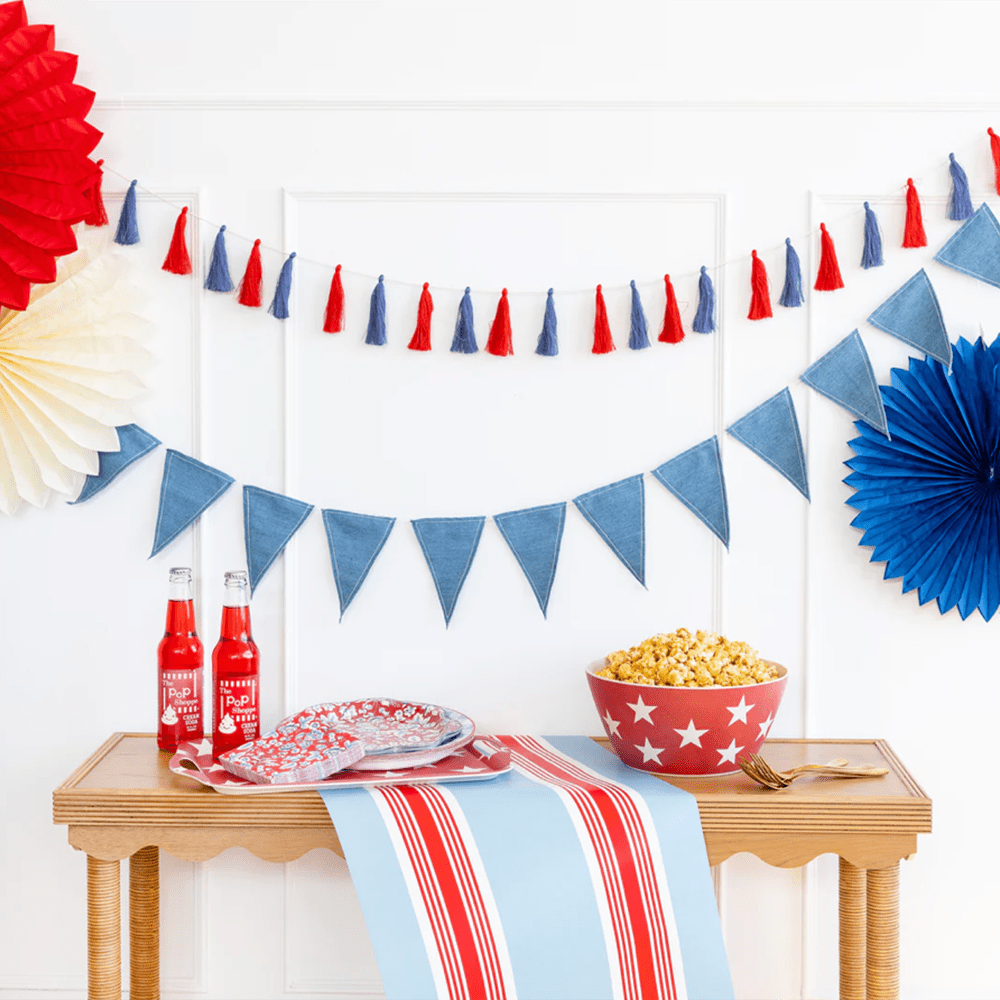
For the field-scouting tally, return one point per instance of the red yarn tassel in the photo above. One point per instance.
(177, 260)
(333, 321)
(913, 235)
(253, 276)
(96, 213)
(760, 302)
(603, 344)
(421, 339)
(995, 150)
(828, 277)
(673, 329)
(499, 342)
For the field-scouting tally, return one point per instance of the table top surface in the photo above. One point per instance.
(127, 781)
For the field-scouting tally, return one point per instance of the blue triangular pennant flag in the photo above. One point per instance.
(913, 315)
(845, 375)
(695, 478)
(618, 514)
(133, 442)
(355, 542)
(269, 521)
(534, 536)
(188, 489)
(771, 430)
(975, 248)
(449, 545)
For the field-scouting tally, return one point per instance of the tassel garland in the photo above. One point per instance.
(333, 318)
(960, 207)
(603, 344)
(791, 293)
(376, 315)
(673, 330)
(250, 286)
(96, 213)
(218, 278)
(282, 290)
(548, 341)
(638, 337)
(421, 339)
(995, 150)
(871, 253)
(760, 299)
(913, 234)
(464, 341)
(499, 341)
(177, 260)
(828, 278)
(704, 317)
(128, 226)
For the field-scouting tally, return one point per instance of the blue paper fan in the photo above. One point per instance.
(929, 497)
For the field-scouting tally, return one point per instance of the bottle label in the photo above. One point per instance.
(180, 701)
(238, 708)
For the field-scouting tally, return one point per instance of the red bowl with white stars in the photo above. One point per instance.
(685, 730)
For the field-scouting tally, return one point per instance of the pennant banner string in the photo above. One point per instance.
(657, 282)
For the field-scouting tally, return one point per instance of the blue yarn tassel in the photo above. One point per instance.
(282, 290)
(376, 315)
(464, 341)
(704, 318)
(637, 337)
(128, 227)
(548, 342)
(961, 203)
(871, 254)
(791, 294)
(219, 279)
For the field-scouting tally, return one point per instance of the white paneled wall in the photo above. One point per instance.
(528, 145)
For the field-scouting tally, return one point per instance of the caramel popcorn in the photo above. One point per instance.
(681, 659)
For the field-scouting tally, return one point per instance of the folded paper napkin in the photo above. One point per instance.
(569, 877)
(287, 757)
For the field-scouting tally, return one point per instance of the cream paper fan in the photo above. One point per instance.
(69, 368)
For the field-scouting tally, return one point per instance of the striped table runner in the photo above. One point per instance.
(572, 877)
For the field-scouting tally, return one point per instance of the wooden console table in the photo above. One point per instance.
(124, 802)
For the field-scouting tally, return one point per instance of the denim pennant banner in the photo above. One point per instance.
(913, 315)
(449, 545)
(975, 248)
(534, 536)
(618, 514)
(133, 443)
(771, 431)
(355, 542)
(845, 375)
(695, 478)
(188, 489)
(269, 521)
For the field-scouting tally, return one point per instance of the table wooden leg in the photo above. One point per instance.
(144, 924)
(104, 930)
(883, 933)
(852, 932)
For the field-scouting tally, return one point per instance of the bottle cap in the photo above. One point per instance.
(237, 578)
(180, 574)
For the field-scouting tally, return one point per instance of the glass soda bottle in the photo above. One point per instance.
(235, 669)
(180, 658)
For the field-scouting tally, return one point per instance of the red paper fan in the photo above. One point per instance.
(45, 169)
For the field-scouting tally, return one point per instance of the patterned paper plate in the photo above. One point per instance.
(386, 725)
(483, 759)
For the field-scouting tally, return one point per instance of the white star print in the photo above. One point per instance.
(391, 774)
(610, 723)
(649, 752)
(641, 710)
(739, 711)
(691, 734)
(471, 770)
(202, 747)
(766, 724)
(729, 754)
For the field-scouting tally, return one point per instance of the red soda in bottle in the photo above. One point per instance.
(235, 668)
(180, 658)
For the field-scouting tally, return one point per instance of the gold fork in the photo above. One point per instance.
(754, 766)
